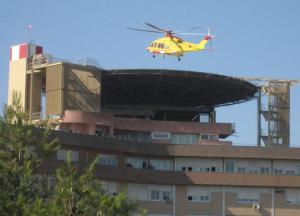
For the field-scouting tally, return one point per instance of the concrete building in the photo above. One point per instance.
(156, 137)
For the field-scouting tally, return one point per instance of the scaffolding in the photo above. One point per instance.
(273, 111)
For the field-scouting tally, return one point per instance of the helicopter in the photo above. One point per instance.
(172, 45)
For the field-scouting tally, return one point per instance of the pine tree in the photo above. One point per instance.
(22, 149)
(79, 193)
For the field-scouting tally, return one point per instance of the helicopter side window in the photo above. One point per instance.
(159, 45)
(162, 46)
(155, 44)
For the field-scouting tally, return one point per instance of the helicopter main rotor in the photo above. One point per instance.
(168, 32)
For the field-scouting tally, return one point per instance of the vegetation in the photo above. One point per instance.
(23, 147)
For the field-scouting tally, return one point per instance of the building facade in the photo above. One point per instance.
(155, 136)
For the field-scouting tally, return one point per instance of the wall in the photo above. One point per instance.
(70, 86)
(17, 80)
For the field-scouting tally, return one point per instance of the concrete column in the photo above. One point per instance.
(223, 201)
(273, 202)
(174, 200)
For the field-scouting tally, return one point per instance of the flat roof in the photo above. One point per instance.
(162, 87)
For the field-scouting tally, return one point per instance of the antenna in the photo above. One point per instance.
(29, 27)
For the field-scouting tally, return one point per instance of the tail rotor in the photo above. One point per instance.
(209, 37)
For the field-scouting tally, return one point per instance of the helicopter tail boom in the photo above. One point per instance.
(203, 43)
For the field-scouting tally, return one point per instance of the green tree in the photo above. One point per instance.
(79, 193)
(22, 149)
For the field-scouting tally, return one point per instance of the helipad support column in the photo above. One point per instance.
(259, 117)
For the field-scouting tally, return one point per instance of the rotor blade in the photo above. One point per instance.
(188, 30)
(190, 33)
(194, 28)
(144, 30)
(155, 27)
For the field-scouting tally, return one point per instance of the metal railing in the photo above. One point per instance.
(44, 59)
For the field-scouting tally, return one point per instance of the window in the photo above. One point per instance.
(160, 164)
(133, 135)
(154, 195)
(160, 194)
(62, 154)
(229, 166)
(166, 195)
(214, 137)
(204, 117)
(160, 135)
(264, 170)
(109, 187)
(247, 200)
(203, 198)
(292, 196)
(204, 137)
(190, 168)
(247, 196)
(241, 169)
(278, 171)
(107, 159)
(209, 137)
(198, 194)
(138, 163)
(100, 130)
(184, 139)
(290, 172)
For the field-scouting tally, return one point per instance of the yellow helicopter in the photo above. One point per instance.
(172, 45)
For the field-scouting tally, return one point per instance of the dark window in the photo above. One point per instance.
(99, 133)
(128, 165)
(190, 198)
(144, 165)
(183, 168)
(213, 169)
(190, 168)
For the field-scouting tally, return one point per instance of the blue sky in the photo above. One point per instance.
(254, 38)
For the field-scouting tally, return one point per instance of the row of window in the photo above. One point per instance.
(194, 193)
(159, 45)
(173, 137)
(201, 169)
(199, 198)
(164, 164)
(158, 195)
(199, 194)
(142, 163)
